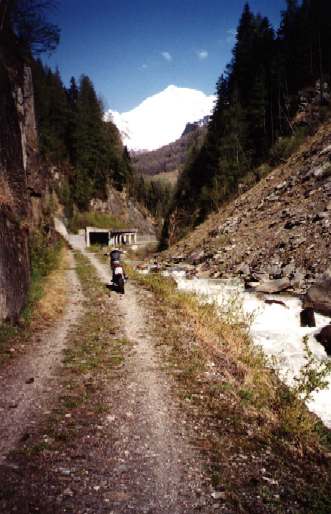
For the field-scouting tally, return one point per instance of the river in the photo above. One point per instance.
(273, 327)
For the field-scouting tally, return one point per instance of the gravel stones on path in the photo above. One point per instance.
(28, 382)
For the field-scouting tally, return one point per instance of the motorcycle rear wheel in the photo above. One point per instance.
(121, 285)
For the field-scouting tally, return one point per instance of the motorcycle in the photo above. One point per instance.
(118, 277)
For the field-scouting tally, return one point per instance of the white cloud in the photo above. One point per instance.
(167, 56)
(231, 36)
(202, 54)
(144, 66)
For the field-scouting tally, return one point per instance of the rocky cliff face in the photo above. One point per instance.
(19, 180)
(122, 207)
(14, 199)
(277, 231)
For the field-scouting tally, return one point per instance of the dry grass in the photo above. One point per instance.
(220, 339)
(226, 343)
(52, 304)
(47, 303)
(236, 404)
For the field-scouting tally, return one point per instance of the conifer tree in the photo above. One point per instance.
(28, 20)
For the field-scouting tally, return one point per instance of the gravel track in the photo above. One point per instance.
(26, 385)
(153, 467)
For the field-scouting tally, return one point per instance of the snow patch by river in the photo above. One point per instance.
(275, 328)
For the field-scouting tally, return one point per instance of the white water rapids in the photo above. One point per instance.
(275, 328)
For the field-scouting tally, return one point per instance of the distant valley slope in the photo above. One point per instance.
(169, 160)
(161, 118)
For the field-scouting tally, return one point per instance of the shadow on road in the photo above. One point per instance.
(115, 288)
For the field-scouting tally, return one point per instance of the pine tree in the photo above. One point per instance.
(88, 138)
(52, 112)
(28, 20)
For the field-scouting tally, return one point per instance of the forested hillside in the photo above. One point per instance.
(71, 128)
(156, 172)
(74, 136)
(265, 85)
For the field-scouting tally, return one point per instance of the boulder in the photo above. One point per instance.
(244, 269)
(324, 337)
(298, 280)
(275, 271)
(323, 171)
(289, 269)
(273, 286)
(197, 257)
(307, 317)
(260, 276)
(319, 295)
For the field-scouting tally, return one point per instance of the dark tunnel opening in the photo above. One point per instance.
(99, 238)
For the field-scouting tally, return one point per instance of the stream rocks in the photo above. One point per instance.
(319, 296)
(270, 286)
(324, 337)
(307, 317)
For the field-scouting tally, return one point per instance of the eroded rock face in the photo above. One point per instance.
(121, 206)
(14, 196)
(14, 268)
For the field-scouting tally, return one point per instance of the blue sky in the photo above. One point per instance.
(133, 49)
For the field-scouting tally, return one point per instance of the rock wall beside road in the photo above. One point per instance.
(14, 196)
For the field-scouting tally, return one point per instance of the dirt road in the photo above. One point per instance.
(26, 385)
(142, 461)
(113, 429)
(154, 468)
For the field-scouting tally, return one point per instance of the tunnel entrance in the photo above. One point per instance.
(99, 238)
(112, 237)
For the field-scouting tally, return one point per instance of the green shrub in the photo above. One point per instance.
(286, 146)
(44, 255)
(94, 219)
(295, 418)
(64, 195)
(263, 170)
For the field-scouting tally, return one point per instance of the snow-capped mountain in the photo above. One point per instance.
(161, 118)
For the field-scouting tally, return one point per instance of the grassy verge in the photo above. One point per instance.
(46, 299)
(263, 450)
(46, 259)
